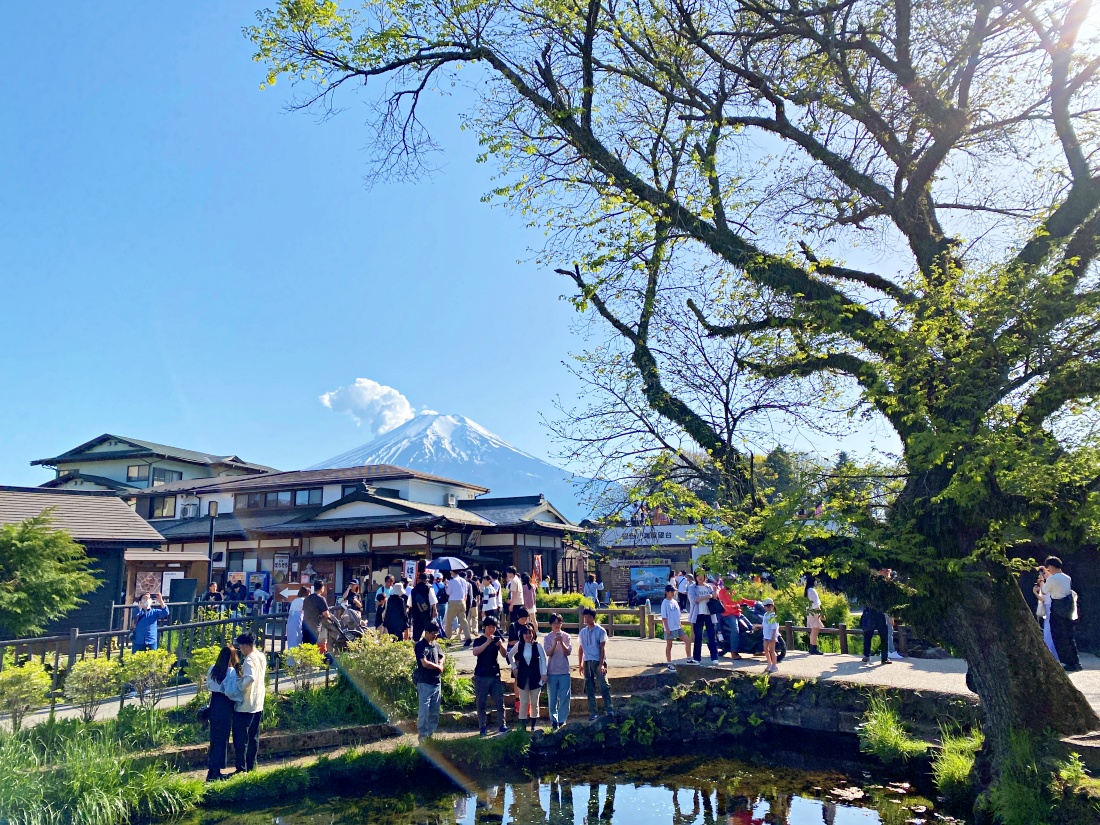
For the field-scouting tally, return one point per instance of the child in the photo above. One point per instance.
(771, 633)
(671, 618)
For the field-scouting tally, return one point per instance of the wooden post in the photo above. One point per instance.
(843, 630)
(788, 634)
(900, 641)
(641, 621)
(74, 646)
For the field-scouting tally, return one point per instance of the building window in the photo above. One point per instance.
(164, 507)
(304, 498)
(248, 501)
(163, 476)
(137, 472)
(280, 499)
(348, 489)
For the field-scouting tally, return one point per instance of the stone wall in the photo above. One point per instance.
(745, 707)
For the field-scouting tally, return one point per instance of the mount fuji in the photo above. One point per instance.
(455, 447)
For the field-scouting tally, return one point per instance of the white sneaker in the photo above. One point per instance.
(895, 655)
(714, 661)
(772, 669)
(671, 668)
(692, 662)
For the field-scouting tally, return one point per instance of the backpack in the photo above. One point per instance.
(420, 601)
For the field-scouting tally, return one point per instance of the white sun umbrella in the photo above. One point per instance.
(447, 563)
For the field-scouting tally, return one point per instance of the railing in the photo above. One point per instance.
(121, 613)
(789, 629)
(606, 615)
(59, 653)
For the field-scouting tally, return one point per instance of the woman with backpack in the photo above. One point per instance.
(422, 606)
(395, 618)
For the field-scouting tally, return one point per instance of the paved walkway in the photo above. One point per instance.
(629, 657)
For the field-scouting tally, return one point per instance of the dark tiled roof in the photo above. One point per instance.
(305, 478)
(142, 447)
(342, 525)
(86, 516)
(224, 525)
(102, 481)
(512, 510)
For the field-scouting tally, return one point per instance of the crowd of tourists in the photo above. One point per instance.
(494, 615)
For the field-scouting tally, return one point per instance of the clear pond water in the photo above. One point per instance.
(682, 790)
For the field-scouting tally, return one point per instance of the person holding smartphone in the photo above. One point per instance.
(488, 648)
(150, 610)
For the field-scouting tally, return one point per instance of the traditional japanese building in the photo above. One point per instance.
(285, 529)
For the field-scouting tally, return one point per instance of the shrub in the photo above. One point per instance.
(91, 682)
(22, 690)
(791, 605)
(952, 766)
(882, 734)
(199, 662)
(458, 691)
(302, 662)
(381, 668)
(148, 672)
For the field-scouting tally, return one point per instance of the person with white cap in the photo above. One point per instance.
(770, 632)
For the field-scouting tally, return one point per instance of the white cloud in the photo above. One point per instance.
(369, 403)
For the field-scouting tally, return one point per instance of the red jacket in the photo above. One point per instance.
(733, 608)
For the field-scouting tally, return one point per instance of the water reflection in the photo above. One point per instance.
(676, 791)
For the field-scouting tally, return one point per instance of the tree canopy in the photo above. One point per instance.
(43, 575)
(724, 172)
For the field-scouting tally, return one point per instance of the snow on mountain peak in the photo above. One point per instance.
(458, 447)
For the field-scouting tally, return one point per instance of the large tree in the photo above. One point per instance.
(43, 575)
(744, 138)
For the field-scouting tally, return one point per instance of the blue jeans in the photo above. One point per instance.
(427, 720)
(702, 623)
(558, 684)
(730, 631)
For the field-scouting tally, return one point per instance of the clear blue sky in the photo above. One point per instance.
(183, 261)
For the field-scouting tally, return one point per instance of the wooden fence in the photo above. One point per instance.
(59, 653)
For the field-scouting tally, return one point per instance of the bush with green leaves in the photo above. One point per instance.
(23, 689)
(199, 662)
(791, 604)
(301, 663)
(381, 668)
(91, 682)
(148, 672)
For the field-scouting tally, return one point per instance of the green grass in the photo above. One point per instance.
(952, 767)
(366, 768)
(882, 734)
(1018, 797)
(481, 754)
(87, 781)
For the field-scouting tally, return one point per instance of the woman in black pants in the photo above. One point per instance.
(224, 694)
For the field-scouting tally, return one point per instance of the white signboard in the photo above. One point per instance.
(682, 535)
(410, 569)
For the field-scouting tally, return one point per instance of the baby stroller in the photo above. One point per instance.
(340, 637)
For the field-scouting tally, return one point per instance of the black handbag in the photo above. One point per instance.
(716, 607)
(203, 715)
(1062, 608)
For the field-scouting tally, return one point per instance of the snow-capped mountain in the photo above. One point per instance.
(455, 447)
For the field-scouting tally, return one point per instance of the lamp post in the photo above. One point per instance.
(212, 512)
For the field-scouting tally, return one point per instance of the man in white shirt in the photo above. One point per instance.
(515, 594)
(1063, 612)
(248, 711)
(456, 606)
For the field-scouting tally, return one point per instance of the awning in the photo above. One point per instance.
(134, 554)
